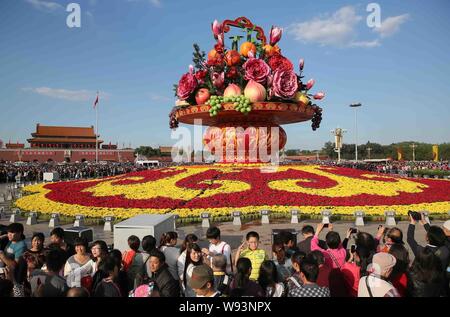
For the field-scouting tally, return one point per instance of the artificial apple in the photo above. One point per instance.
(202, 96)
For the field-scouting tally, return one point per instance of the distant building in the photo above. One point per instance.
(109, 146)
(63, 137)
(63, 144)
(14, 145)
(165, 150)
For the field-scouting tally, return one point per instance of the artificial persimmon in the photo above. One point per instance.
(232, 58)
(246, 47)
(213, 54)
(270, 50)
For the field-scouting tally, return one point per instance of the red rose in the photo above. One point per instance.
(232, 72)
(186, 86)
(200, 76)
(256, 69)
(279, 63)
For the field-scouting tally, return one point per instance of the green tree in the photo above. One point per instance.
(291, 152)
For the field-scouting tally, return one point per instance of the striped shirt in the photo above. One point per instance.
(256, 257)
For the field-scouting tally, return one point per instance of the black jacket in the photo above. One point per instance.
(442, 252)
(305, 245)
(418, 288)
(167, 285)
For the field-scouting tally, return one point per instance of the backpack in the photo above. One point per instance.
(142, 276)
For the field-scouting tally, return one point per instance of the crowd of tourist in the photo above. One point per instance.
(29, 172)
(320, 265)
(402, 168)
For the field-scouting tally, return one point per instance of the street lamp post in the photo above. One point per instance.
(356, 105)
(413, 146)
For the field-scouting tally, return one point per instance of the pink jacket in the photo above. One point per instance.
(338, 254)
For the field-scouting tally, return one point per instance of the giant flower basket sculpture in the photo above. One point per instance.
(244, 93)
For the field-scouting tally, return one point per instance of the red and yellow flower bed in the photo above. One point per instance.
(221, 189)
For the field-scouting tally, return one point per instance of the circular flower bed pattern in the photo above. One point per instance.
(220, 189)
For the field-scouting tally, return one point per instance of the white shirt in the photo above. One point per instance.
(378, 287)
(213, 295)
(188, 291)
(221, 248)
(180, 264)
(277, 292)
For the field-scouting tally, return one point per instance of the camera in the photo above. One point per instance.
(415, 215)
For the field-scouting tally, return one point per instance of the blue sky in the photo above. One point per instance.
(134, 51)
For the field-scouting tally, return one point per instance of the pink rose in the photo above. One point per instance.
(284, 84)
(186, 86)
(256, 69)
(218, 79)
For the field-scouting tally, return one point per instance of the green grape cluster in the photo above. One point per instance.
(241, 103)
(216, 104)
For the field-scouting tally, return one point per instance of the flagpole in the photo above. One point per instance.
(96, 134)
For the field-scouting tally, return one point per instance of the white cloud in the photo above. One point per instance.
(71, 95)
(367, 44)
(155, 3)
(45, 5)
(337, 29)
(391, 25)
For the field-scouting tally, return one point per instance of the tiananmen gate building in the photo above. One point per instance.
(64, 144)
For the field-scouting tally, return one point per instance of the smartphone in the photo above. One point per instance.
(326, 225)
(354, 230)
(353, 248)
(415, 215)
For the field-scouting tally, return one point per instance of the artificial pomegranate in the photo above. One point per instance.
(202, 96)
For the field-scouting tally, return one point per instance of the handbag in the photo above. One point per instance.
(87, 282)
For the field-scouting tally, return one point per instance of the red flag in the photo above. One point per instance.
(96, 101)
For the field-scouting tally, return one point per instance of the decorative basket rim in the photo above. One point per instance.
(267, 112)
